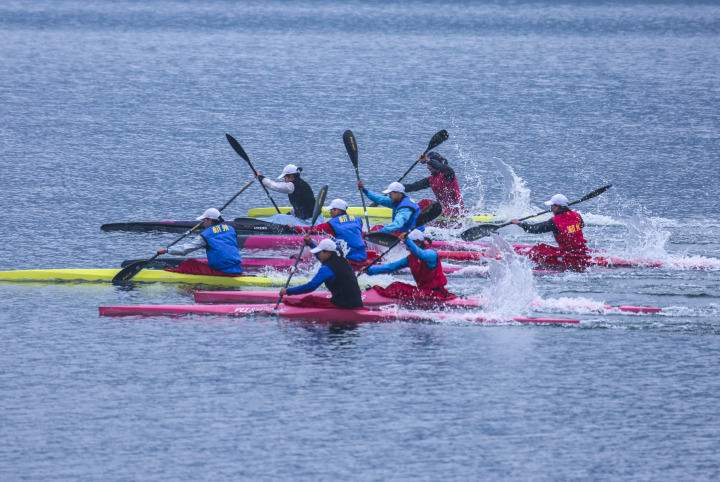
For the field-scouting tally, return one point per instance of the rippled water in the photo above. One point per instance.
(116, 111)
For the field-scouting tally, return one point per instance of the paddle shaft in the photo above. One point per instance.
(241, 152)
(128, 273)
(436, 140)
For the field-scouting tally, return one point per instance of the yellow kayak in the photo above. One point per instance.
(147, 275)
(380, 214)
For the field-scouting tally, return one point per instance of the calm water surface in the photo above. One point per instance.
(116, 111)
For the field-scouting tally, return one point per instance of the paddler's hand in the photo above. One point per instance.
(423, 159)
(283, 292)
(515, 221)
(404, 236)
(161, 251)
(361, 186)
(308, 239)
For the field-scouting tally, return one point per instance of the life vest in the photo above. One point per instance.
(425, 277)
(570, 238)
(349, 228)
(302, 199)
(345, 289)
(448, 193)
(222, 248)
(406, 203)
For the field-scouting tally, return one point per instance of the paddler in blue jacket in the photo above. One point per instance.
(220, 243)
(299, 193)
(404, 211)
(337, 275)
(342, 226)
(425, 266)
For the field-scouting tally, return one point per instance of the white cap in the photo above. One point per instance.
(211, 213)
(326, 244)
(339, 204)
(416, 235)
(558, 199)
(289, 169)
(394, 187)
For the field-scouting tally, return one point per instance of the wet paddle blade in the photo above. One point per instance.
(351, 146)
(322, 194)
(429, 214)
(596, 192)
(382, 239)
(238, 148)
(477, 232)
(437, 139)
(128, 273)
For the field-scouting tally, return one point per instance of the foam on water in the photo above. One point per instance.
(512, 288)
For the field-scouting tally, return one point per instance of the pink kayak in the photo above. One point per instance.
(334, 315)
(373, 298)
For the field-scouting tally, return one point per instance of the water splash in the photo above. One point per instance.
(512, 288)
(646, 238)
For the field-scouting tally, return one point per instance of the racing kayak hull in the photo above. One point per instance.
(147, 275)
(333, 315)
(373, 298)
(378, 213)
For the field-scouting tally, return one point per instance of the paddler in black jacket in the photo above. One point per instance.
(337, 275)
(300, 194)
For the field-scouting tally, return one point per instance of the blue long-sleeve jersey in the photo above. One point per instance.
(428, 256)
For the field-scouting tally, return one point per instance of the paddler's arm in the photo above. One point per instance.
(324, 228)
(428, 256)
(284, 187)
(447, 171)
(418, 185)
(324, 274)
(388, 268)
(374, 197)
(401, 218)
(183, 249)
(537, 228)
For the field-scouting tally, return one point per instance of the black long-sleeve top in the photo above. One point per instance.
(446, 170)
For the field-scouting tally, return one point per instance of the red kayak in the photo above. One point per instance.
(335, 315)
(373, 298)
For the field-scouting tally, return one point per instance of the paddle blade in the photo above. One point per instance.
(382, 239)
(428, 214)
(437, 139)
(477, 232)
(351, 146)
(322, 194)
(126, 274)
(596, 192)
(237, 147)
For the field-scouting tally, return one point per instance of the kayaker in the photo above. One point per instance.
(300, 194)
(444, 184)
(404, 211)
(565, 224)
(220, 243)
(337, 275)
(425, 266)
(341, 226)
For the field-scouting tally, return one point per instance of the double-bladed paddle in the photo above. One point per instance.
(126, 274)
(351, 146)
(426, 215)
(241, 152)
(436, 140)
(316, 213)
(477, 232)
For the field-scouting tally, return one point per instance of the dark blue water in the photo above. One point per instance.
(117, 111)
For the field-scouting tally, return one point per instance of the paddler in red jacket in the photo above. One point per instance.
(342, 226)
(444, 184)
(566, 225)
(425, 266)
